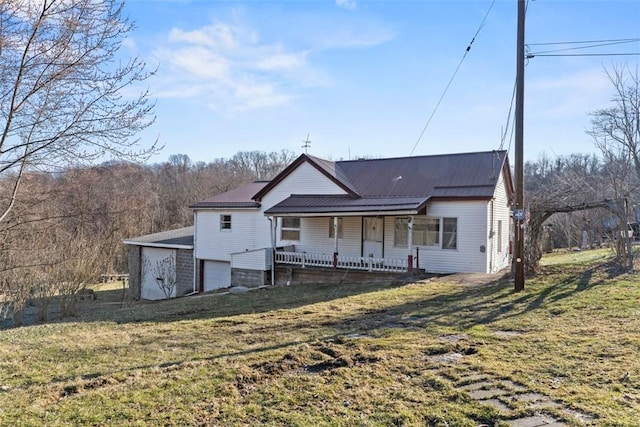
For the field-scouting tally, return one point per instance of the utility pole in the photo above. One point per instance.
(518, 216)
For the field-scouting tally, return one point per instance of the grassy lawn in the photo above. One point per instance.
(365, 355)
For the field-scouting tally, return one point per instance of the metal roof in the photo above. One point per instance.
(181, 238)
(447, 175)
(381, 185)
(326, 204)
(241, 197)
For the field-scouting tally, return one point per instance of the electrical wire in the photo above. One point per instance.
(591, 44)
(452, 77)
(531, 55)
(585, 41)
(506, 130)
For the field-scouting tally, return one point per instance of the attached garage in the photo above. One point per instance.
(153, 259)
(216, 275)
(165, 257)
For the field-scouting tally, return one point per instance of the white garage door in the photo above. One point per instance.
(151, 257)
(217, 274)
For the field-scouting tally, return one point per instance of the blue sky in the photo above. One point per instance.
(363, 77)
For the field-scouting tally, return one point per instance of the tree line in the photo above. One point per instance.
(66, 227)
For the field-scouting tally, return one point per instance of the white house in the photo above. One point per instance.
(442, 214)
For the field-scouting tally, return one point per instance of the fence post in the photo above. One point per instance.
(335, 260)
(303, 259)
(409, 263)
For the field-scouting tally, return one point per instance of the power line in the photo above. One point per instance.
(452, 77)
(506, 130)
(532, 55)
(585, 41)
(590, 44)
(584, 47)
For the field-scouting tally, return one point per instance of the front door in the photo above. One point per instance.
(372, 236)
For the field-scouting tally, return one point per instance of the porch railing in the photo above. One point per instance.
(304, 259)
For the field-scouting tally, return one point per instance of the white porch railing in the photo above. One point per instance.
(304, 259)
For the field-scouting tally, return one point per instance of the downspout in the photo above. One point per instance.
(335, 242)
(410, 244)
(491, 235)
(273, 251)
(195, 236)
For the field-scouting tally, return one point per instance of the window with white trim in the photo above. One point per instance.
(427, 231)
(449, 233)
(290, 228)
(225, 222)
(401, 232)
(331, 233)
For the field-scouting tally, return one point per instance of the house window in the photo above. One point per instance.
(331, 233)
(225, 222)
(290, 229)
(449, 233)
(426, 231)
(401, 232)
(499, 237)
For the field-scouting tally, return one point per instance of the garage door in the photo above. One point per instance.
(217, 274)
(151, 259)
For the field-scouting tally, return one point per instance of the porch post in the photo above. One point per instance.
(335, 242)
(410, 244)
(273, 223)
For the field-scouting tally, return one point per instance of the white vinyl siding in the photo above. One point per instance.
(305, 179)
(314, 236)
(471, 232)
(250, 231)
(498, 242)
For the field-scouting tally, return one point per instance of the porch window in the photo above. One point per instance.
(401, 232)
(225, 222)
(449, 233)
(331, 233)
(290, 229)
(426, 231)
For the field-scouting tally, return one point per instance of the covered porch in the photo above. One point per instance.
(345, 233)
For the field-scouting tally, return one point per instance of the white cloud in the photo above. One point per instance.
(347, 4)
(231, 69)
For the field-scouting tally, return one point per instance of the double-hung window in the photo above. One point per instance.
(290, 228)
(449, 233)
(225, 222)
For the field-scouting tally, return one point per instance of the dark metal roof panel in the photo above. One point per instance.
(241, 197)
(450, 174)
(180, 236)
(327, 204)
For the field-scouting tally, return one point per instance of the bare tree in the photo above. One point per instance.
(61, 87)
(616, 130)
